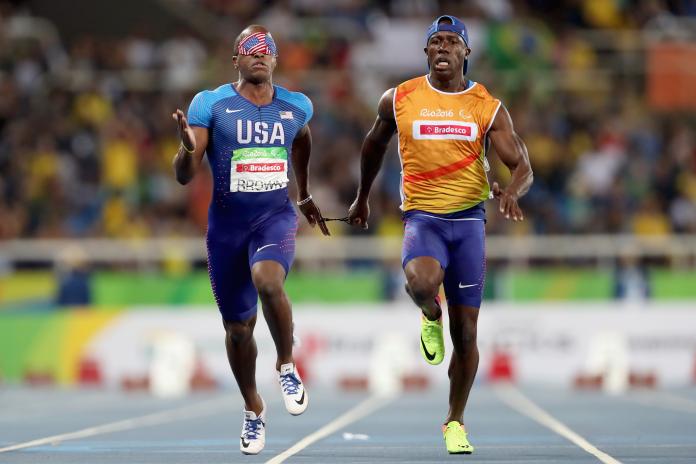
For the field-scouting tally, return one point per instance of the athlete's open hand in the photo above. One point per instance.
(314, 217)
(358, 213)
(188, 139)
(508, 203)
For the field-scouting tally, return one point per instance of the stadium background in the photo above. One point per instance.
(97, 239)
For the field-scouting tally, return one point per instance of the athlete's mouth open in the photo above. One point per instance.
(442, 63)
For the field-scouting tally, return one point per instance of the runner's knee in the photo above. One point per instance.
(268, 279)
(423, 287)
(268, 288)
(239, 332)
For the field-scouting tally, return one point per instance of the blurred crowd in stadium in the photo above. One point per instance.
(86, 136)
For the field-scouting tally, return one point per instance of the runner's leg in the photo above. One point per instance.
(241, 354)
(465, 358)
(463, 283)
(424, 258)
(271, 252)
(236, 297)
(269, 277)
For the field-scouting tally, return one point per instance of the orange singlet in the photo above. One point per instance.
(442, 145)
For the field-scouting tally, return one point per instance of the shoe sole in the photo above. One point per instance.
(251, 453)
(434, 361)
(306, 405)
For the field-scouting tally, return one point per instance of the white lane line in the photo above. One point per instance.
(517, 401)
(665, 400)
(200, 409)
(360, 411)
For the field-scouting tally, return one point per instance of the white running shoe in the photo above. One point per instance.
(253, 437)
(294, 393)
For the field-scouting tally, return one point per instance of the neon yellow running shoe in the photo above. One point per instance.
(432, 344)
(455, 439)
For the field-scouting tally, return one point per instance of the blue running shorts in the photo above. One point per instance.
(234, 248)
(457, 241)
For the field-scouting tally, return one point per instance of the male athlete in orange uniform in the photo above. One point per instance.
(445, 124)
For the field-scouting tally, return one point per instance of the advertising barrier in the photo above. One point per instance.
(550, 343)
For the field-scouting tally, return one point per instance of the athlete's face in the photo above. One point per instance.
(446, 53)
(255, 68)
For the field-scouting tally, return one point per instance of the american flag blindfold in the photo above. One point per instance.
(258, 42)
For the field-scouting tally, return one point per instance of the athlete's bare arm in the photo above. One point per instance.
(372, 153)
(513, 153)
(301, 148)
(194, 141)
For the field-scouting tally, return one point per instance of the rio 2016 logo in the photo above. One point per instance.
(436, 113)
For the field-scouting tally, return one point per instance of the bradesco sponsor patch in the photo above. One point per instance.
(445, 130)
(259, 169)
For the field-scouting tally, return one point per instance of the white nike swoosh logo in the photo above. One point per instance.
(467, 286)
(227, 110)
(265, 246)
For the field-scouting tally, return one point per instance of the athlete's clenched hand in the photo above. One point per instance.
(508, 203)
(188, 139)
(358, 213)
(314, 217)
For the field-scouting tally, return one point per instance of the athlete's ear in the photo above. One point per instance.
(234, 61)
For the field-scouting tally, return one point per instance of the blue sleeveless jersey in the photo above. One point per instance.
(249, 151)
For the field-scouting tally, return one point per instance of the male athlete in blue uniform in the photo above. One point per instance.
(252, 132)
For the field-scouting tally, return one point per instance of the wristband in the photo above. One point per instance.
(305, 201)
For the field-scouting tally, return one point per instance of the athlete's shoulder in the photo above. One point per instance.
(482, 92)
(297, 99)
(209, 97)
(201, 108)
(407, 87)
(200, 111)
(411, 83)
(225, 90)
